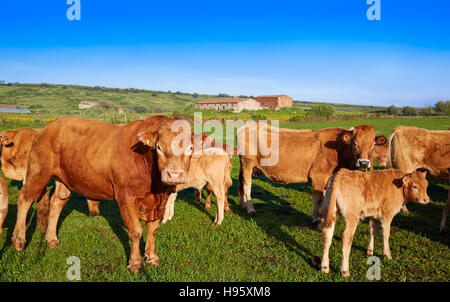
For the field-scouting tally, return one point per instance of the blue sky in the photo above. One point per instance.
(312, 50)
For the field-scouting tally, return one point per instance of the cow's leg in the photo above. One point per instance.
(42, 211)
(209, 190)
(374, 227)
(317, 197)
(220, 196)
(59, 199)
(444, 214)
(245, 187)
(170, 208)
(198, 195)
(386, 225)
(405, 209)
(93, 207)
(347, 238)
(132, 223)
(3, 201)
(327, 238)
(227, 206)
(31, 191)
(150, 246)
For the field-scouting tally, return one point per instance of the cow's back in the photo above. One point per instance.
(414, 148)
(91, 157)
(297, 150)
(14, 156)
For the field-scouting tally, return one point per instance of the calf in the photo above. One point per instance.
(212, 167)
(379, 151)
(378, 195)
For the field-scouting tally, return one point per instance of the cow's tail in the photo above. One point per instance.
(391, 152)
(3, 201)
(330, 202)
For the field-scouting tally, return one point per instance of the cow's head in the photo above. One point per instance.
(173, 145)
(360, 141)
(415, 187)
(380, 140)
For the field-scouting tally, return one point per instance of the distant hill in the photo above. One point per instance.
(343, 107)
(64, 99)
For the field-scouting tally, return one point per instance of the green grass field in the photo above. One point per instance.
(277, 245)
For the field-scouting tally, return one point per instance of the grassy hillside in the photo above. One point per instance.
(64, 99)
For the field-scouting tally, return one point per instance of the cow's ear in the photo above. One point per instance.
(406, 180)
(347, 137)
(5, 141)
(148, 138)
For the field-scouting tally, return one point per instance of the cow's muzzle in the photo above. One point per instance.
(173, 177)
(426, 200)
(363, 163)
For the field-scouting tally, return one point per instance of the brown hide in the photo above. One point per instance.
(304, 155)
(108, 162)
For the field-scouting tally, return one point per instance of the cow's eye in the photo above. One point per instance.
(354, 143)
(189, 150)
(159, 148)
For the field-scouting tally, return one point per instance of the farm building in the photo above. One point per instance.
(86, 105)
(236, 104)
(274, 101)
(4, 108)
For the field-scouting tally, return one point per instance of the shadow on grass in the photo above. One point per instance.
(272, 216)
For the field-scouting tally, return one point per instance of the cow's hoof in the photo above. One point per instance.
(94, 213)
(227, 210)
(369, 252)
(345, 274)
(154, 261)
(325, 269)
(388, 257)
(53, 243)
(315, 224)
(135, 267)
(443, 229)
(252, 214)
(18, 243)
(207, 207)
(405, 210)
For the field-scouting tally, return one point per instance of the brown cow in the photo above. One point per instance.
(357, 195)
(213, 166)
(379, 151)
(412, 148)
(15, 146)
(138, 165)
(303, 156)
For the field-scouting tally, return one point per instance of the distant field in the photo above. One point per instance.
(277, 245)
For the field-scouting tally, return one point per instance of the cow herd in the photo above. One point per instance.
(143, 164)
